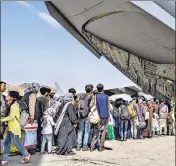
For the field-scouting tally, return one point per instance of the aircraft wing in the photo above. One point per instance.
(133, 40)
(168, 6)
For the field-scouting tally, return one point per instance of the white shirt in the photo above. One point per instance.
(155, 119)
(48, 127)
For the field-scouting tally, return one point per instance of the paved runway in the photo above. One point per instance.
(149, 152)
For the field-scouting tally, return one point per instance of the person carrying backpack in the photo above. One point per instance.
(13, 134)
(27, 104)
(116, 116)
(84, 124)
(163, 115)
(27, 112)
(124, 118)
(141, 117)
(102, 104)
(133, 111)
(42, 104)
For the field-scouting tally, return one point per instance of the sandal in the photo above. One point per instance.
(26, 159)
(4, 163)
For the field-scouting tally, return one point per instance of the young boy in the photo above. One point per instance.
(155, 124)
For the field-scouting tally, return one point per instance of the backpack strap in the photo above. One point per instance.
(4, 97)
(17, 119)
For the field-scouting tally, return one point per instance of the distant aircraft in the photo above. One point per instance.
(59, 90)
(125, 93)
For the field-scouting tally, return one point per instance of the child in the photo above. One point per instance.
(155, 124)
(47, 129)
(13, 130)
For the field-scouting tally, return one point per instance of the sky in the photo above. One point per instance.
(35, 48)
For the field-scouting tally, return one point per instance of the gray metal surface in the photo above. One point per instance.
(58, 16)
(168, 6)
(130, 29)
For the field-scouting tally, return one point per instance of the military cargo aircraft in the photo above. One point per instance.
(133, 39)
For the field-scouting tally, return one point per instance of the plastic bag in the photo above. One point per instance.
(30, 136)
(13, 148)
(142, 125)
(110, 133)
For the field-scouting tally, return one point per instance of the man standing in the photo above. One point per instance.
(134, 111)
(84, 124)
(42, 104)
(30, 98)
(2, 104)
(116, 116)
(72, 90)
(103, 105)
(124, 118)
(163, 114)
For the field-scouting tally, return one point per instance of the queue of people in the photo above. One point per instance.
(145, 119)
(69, 121)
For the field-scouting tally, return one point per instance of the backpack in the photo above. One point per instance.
(83, 108)
(4, 100)
(163, 112)
(170, 118)
(124, 113)
(132, 112)
(93, 116)
(115, 112)
(24, 110)
(142, 125)
(4, 108)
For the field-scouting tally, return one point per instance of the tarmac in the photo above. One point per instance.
(149, 152)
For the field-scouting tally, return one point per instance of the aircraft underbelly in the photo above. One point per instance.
(135, 42)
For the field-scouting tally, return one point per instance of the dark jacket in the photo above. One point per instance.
(42, 104)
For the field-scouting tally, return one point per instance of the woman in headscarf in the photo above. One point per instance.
(57, 104)
(65, 127)
(149, 113)
(141, 118)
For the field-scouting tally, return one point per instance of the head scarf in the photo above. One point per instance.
(50, 112)
(149, 104)
(33, 87)
(140, 102)
(55, 102)
(56, 97)
(68, 98)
